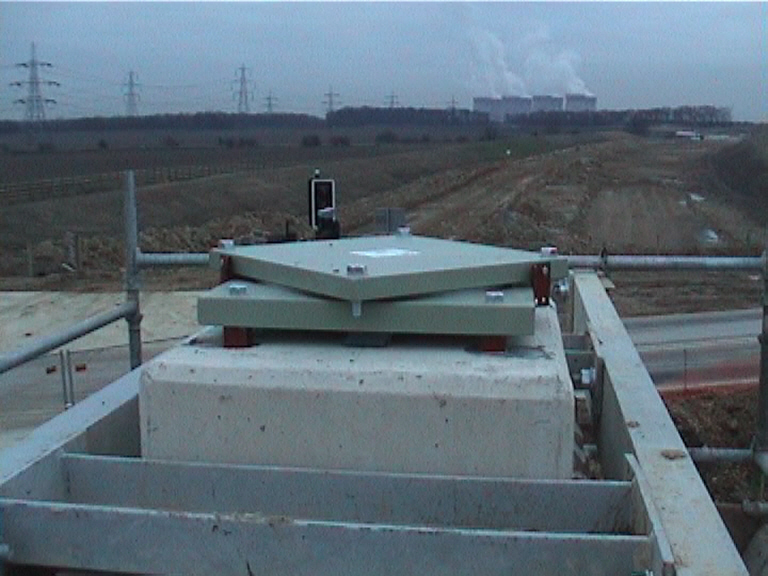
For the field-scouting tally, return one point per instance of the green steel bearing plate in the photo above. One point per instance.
(383, 267)
(242, 303)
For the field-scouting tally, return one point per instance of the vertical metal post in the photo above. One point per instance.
(762, 413)
(4, 550)
(65, 373)
(131, 268)
(70, 378)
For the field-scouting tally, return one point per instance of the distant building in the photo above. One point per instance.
(547, 103)
(516, 105)
(580, 103)
(498, 109)
(490, 106)
(501, 109)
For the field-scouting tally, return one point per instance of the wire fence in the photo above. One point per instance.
(35, 191)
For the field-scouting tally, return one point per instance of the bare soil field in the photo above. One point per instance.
(610, 191)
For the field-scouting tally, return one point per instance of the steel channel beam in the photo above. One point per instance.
(46, 344)
(643, 262)
(635, 421)
(143, 541)
(646, 520)
(556, 506)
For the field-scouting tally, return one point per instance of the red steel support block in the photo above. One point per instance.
(237, 337)
(541, 281)
(493, 344)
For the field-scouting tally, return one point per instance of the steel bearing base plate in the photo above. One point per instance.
(501, 312)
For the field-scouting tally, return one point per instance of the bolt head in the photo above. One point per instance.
(357, 269)
(494, 296)
(237, 289)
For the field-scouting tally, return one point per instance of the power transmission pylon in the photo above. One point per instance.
(452, 107)
(34, 103)
(131, 97)
(392, 99)
(243, 92)
(270, 102)
(329, 106)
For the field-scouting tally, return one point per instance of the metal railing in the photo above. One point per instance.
(46, 344)
(642, 262)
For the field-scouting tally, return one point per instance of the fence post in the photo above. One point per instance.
(132, 282)
(30, 260)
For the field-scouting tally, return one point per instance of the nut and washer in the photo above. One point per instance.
(356, 270)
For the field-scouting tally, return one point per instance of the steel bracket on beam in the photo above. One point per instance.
(541, 280)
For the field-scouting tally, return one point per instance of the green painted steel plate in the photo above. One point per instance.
(507, 312)
(382, 267)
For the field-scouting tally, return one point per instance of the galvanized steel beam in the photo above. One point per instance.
(488, 503)
(635, 421)
(160, 542)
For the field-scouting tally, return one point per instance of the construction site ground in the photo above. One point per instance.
(582, 194)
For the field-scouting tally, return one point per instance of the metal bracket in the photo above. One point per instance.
(226, 271)
(541, 282)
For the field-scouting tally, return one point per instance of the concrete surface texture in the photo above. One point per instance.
(25, 316)
(415, 406)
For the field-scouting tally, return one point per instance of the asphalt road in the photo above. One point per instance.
(712, 348)
(680, 351)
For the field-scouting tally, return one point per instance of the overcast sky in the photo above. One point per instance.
(186, 54)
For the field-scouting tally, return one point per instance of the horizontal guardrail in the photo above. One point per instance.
(46, 344)
(161, 259)
(640, 262)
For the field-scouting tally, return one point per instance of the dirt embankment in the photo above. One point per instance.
(743, 170)
(622, 193)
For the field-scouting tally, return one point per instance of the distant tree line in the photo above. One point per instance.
(693, 116)
(634, 120)
(367, 116)
(197, 121)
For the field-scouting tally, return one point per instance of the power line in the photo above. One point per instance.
(34, 103)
